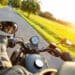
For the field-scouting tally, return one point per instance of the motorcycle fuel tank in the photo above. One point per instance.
(34, 63)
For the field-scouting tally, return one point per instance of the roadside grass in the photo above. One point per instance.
(1, 6)
(51, 31)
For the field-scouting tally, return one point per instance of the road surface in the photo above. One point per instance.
(26, 31)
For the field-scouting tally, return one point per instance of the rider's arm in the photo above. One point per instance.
(4, 59)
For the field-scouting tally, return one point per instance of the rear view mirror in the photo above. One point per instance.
(67, 42)
(8, 27)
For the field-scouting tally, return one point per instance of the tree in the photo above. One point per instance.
(30, 6)
(1, 1)
(15, 3)
(4, 2)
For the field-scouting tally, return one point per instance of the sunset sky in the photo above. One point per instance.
(63, 9)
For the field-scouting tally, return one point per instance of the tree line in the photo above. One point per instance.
(29, 6)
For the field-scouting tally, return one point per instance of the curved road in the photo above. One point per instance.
(26, 31)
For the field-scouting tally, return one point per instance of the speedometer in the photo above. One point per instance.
(35, 40)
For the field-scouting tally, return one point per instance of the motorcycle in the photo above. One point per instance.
(29, 55)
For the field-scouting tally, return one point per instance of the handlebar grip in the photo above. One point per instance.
(11, 43)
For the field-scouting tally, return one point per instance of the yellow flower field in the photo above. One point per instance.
(63, 31)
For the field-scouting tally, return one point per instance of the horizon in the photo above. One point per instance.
(61, 9)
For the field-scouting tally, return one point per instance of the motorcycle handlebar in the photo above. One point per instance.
(33, 50)
(21, 43)
(45, 50)
(56, 52)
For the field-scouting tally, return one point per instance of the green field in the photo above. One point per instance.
(51, 31)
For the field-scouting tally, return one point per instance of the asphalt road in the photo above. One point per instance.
(26, 31)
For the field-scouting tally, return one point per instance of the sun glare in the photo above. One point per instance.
(63, 9)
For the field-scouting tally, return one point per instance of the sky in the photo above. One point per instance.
(61, 9)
